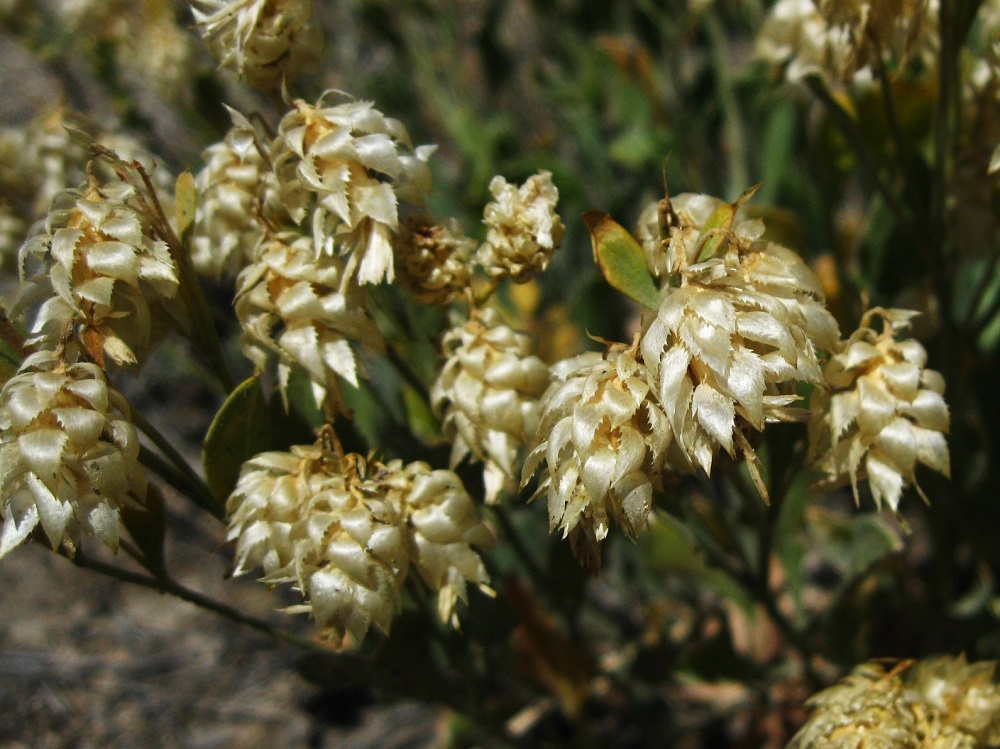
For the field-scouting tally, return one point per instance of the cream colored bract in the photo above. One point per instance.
(69, 457)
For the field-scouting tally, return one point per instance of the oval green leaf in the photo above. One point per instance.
(621, 260)
(238, 432)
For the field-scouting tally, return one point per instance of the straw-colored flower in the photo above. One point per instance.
(603, 440)
(332, 533)
(291, 308)
(345, 168)
(434, 261)
(487, 394)
(68, 454)
(264, 41)
(99, 271)
(884, 411)
(522, 227)
(442, 527)
(939, 703)
(236, 192)
(345, 531)
(729, 343)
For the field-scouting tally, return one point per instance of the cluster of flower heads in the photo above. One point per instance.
(266, 42)
(740, 325)
(96, 275)
(882, 413)
(68, 454)
(487, 394)
(346, 531)
(844, 40)
(330, 205)
(938, 703)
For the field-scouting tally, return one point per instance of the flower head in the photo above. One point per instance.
(487, 393)
(264, 41)
(347, 167)
(345, 531)
(729, 343)
(603, 439)
(69, 457)
(332, 534)
(443, 526)
(883, 413)
(293, 306)
(522, 227)
(434, 261)
(100, 270)
(937, 703)
(236, 188)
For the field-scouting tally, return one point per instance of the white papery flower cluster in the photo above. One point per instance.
(237, 196)
(487, 394)
(938, 703)
(739, 325)
(264, 41)
(342, 170)
(100, 271)
(68, 454)
(346, 532)
(605, 441)
(884, 412)
(522, 228)
(291, 307)
(841, 39)
(729, 343)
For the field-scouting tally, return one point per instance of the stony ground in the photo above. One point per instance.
(86, 661)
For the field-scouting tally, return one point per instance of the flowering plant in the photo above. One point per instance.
(724, 405)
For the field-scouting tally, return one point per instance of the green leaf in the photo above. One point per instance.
(302, 400)
(185, 202)
(669, 546)
(852, 543)
(715, 233)
(238, 432)
(621, 260)
(147, 527)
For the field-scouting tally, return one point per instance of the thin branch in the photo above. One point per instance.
(175, 469)
(168, 585)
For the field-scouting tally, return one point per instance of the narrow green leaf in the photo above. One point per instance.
(715, 233)
(147, 527)
(186, 202)
(238, 432)
(621, 260)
